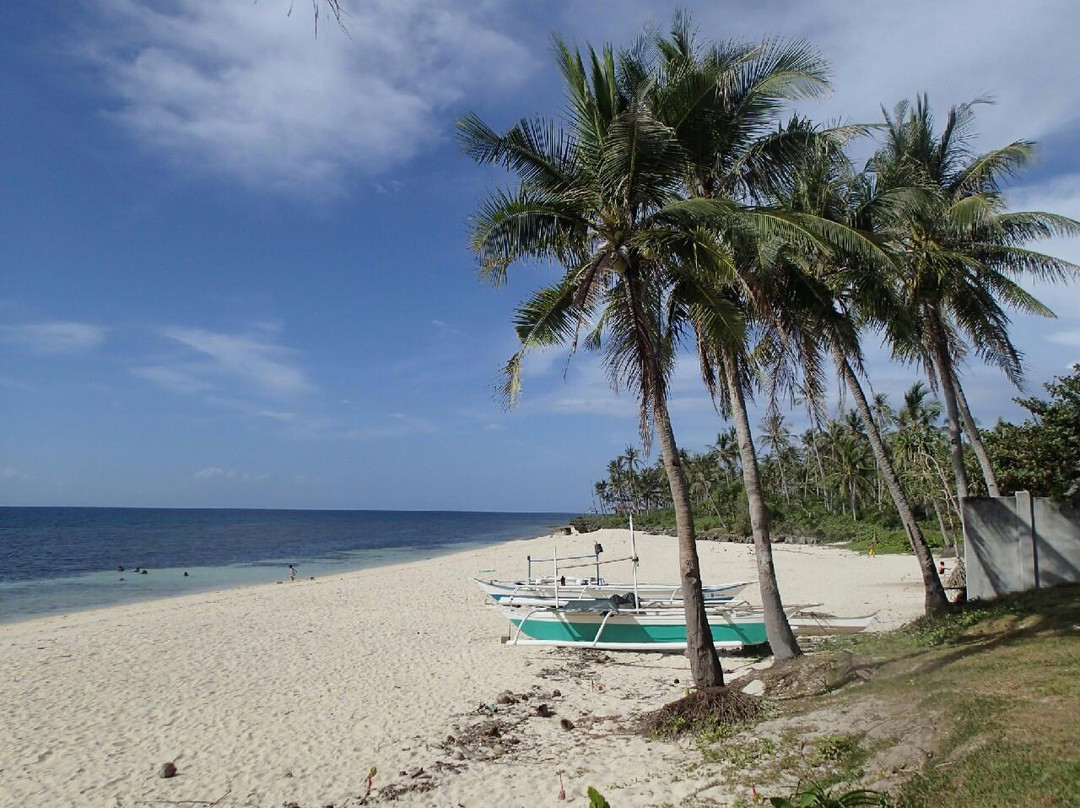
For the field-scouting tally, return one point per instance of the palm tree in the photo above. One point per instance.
(777, 438)
(723, 103)
(962, 254)
(631, 459)
(602, 198)
(884, 417)
(726, 449)
(602, 491)
(915, 410)
(851, 470)
(843, 292)
(700, 472)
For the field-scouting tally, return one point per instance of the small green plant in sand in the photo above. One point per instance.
(596, 799)
(833, 748)
(742, 756)
(818, 797)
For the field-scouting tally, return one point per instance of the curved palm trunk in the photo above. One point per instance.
(704, 663)
(946, 537)
(777, 628)
(948, 391)
(934, 599)
(976, 442)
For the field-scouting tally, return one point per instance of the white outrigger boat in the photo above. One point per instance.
(558, 589)
(807, 623)
(592, 613)
(555, 592)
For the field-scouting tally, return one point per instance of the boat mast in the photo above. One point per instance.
(633, 557)
(555, 566)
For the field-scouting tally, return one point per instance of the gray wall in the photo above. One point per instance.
(1019, 542)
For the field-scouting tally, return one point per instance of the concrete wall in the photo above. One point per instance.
(1016, 543)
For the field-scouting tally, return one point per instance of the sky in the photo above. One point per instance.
(234, 268)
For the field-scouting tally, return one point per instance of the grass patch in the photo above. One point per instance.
(1004, 676)
(976, 707)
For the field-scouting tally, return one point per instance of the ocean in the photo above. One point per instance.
(60, 560)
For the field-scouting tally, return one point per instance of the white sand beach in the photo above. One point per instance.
(290, 693)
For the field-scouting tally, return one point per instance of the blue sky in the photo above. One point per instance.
(234, 258)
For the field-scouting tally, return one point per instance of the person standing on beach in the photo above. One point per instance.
(292, 573)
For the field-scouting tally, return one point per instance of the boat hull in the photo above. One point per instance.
(639, 630)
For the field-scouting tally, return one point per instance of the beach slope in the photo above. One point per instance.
(291, 692)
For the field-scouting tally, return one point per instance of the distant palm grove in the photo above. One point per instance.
(678, 211)
(823, 483)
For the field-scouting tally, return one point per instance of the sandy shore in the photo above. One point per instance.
(289, 693)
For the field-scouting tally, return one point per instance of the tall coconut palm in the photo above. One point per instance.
(777, 438)
(726, 450)
(602, 198)
(632, 458)
(841, 293)
(723, 103)
(962, 253)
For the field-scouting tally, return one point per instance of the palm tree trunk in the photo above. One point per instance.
(948, 390)
(934, 599)
(976, 442)
(777, 628)
(704, 663)
(946, 538)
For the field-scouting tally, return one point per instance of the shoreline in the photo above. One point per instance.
(373, 558)
(292, 692)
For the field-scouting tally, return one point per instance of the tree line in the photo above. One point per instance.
(824, 481)
(686, 213)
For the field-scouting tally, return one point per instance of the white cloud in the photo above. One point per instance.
(397, 425)
(244, 89)
(1060, 195)
(264, 364)
(12, 473)
(175, 379)
(882, 52)
(1070, 338)
(54, 338)
(216, 473)
(284, 417)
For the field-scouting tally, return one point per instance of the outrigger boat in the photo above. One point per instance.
(592, 613)
(607, 624)
(808, 623)
(557, 589)
(595, 624)
(553, 592)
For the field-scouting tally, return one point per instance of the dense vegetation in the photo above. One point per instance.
(823, 483)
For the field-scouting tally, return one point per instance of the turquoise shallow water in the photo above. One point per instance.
(60, 560)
